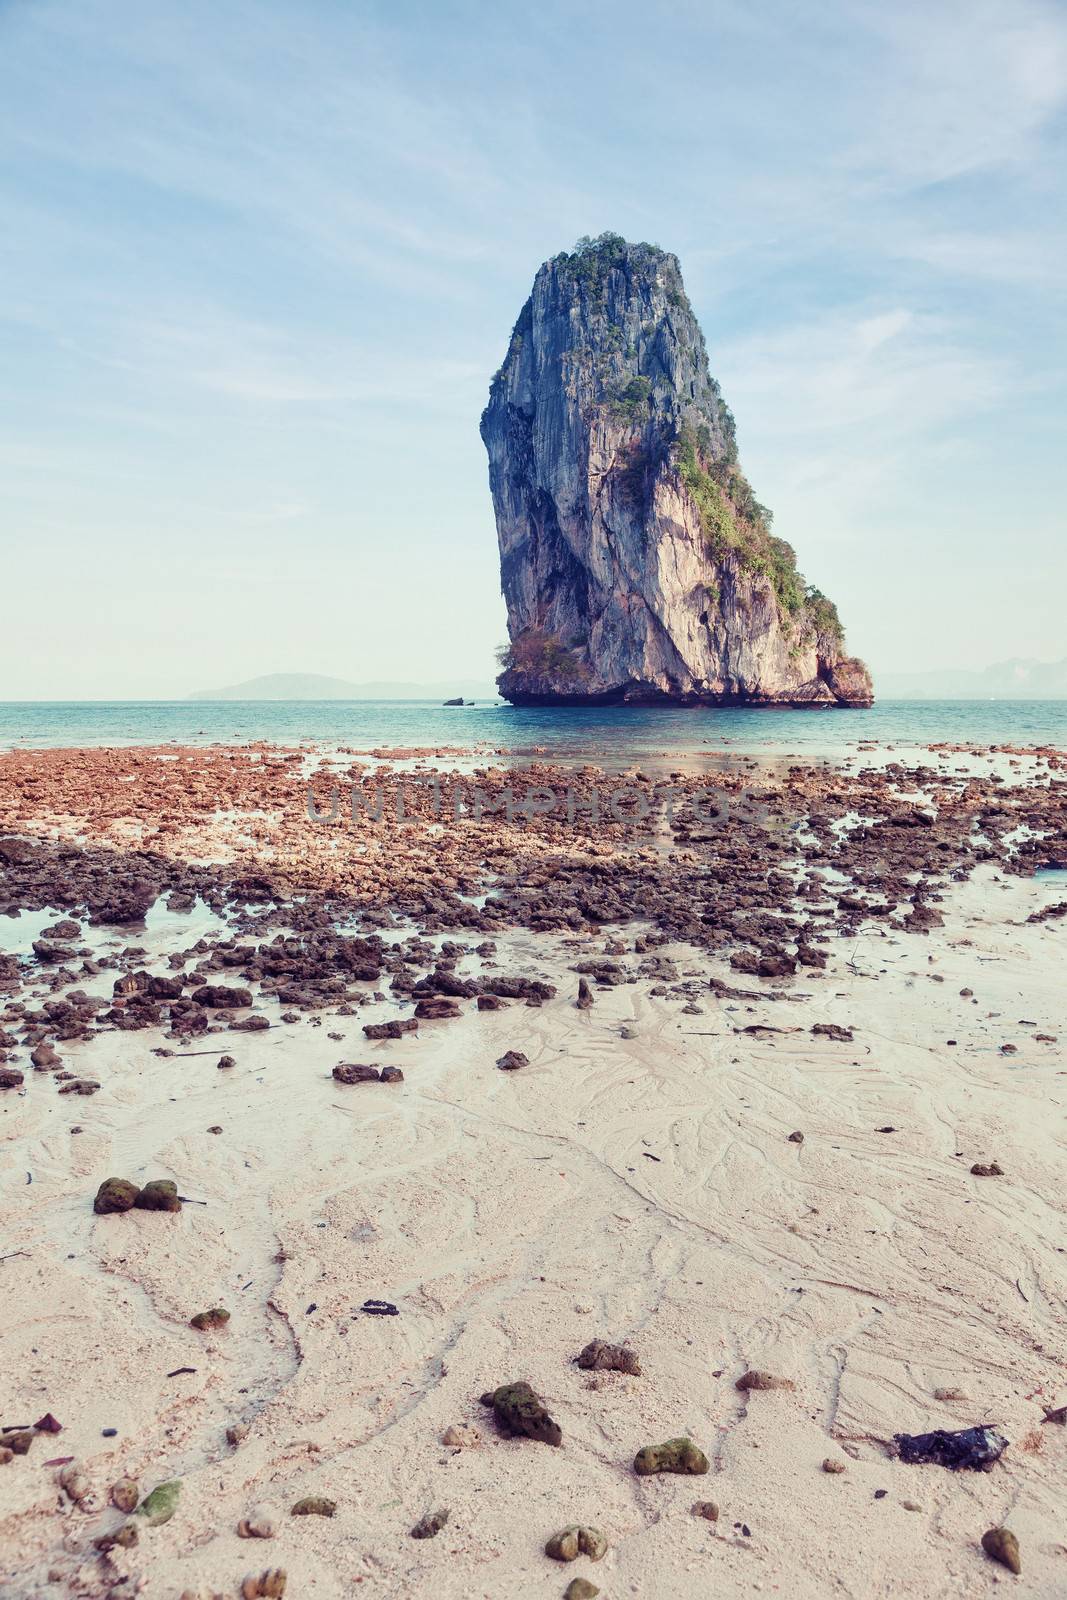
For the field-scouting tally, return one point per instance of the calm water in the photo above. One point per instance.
(611, 730)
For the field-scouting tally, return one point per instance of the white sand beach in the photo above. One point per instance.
(635, 1182)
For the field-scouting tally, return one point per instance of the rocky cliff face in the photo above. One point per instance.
(635, 561)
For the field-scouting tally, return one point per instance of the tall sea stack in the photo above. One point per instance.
(636, 563)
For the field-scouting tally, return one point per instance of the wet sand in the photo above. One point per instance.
(634, 1181)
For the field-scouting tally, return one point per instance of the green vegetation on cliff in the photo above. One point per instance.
(592, 259)
(736, 526)
(540, 654)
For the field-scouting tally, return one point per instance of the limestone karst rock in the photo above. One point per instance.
(635, 561)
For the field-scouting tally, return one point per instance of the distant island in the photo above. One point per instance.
(316, 686)
(1018, 679)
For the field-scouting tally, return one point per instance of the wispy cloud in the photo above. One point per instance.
(846, 409)
(973, 83)
(264, 256)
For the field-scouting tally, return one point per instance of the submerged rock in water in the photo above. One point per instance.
(677, 1455)
(635, 560)
(518, 1410)
(973, 1448)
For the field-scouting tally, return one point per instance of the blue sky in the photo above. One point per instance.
(259, 260)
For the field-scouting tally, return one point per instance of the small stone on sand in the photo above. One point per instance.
(1001, 1545)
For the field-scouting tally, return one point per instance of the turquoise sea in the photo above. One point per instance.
(618, 731)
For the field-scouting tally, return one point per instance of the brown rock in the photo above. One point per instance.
(390, 1030)
(159, 1195)
(603, 1357)
(115, 1194)
(124, 1494)
(219, 997)
(436, 1008)
(831, 1030)
(355, 1072)
(314, 1505)
(511, 1060)
(755, 1379)
(74, 1483)
(518, 1410)
(210, 1321)
(17, 1440)
(462, 1436)
(1000, 1544)
(269, 1585)
(429, 1526)
(677, 1455)
(575, 1541)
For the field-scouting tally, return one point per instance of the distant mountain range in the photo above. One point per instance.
(1006, 680)
(313, 686)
